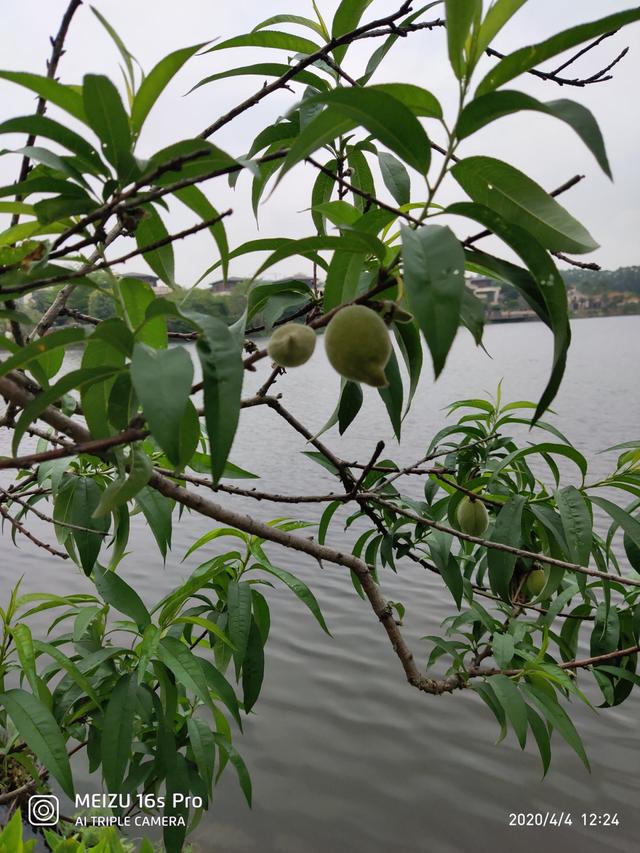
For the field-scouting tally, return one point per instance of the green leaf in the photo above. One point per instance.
(196, 200)
(23, 641)
(203, 746)
(495, 105)
(117, 592)
(627, 522)
(514, 705)
(487, 695)
(221, 687)
(446, 563)
(576, 523)
(380, 53)
(75, 380)
(124, 53)
(522, 202)
(472, 315)
(151, 229)
(632, 551)
(11, 836)
(117, 731)
(408, 338)
(216, 534)
(37, 727)
(502, 648)
(155, 83)
(434, 281)
(46, 127)
(351, 242)
(321, 193)
(65, 97)
(420, 101)
(460, 15)
(507, 531)
(605, 636)
(499, 14)
(70, 668)
(263, 291)
(84, 498)
(252, 668)
(396, 178)
(393, 395)
(299, 589)
(107, 117)
(266, 69)
(529, 57)
(298, 20)
(26, 355)
(222, 376)
(558, 718)
(138, 297)
(384, 116)
(564, 450)
(327, 515)
(185, 666)
(147, 650)
(207, 624)
(109, 348)
(269, 38)
(162, 381)
(239, 607)
(157, 510)
(229, 750)
(205, 159)
(541, 736)
(345, 20)
(121, 491)
(544, 291)
(351, 400)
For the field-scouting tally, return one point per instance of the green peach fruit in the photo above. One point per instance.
(291, 345)
(536, 581)
(472, 516)
(358, 345)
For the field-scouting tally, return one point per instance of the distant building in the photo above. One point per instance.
(485, 289)
(227, 286)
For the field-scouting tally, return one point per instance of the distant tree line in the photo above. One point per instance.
(622, 280)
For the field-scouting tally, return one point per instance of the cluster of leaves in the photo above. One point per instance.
(144, 690)
(97, 841)
(528, 636)
(147, 691)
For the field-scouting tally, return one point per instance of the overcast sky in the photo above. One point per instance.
(544, 148)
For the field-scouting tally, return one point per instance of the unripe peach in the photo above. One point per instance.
(291, 345)
(472, 516)
(358, 345)
(536, 581)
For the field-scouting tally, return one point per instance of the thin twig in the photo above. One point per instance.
(371, 199)
(499, 546)
(251, 493)
(103, 265)
(94, 447)
(6, 496)
(30, 536)
(553, 77)
(57, 45)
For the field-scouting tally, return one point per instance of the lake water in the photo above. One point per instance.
(345, 757)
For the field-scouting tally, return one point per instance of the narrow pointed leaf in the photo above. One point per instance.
(434, 281)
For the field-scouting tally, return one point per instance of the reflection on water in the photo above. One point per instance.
(344, 755)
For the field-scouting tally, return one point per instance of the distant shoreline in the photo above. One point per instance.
(530, 316)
